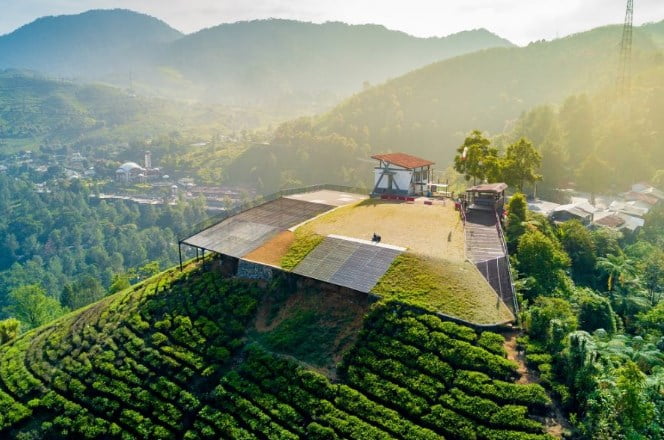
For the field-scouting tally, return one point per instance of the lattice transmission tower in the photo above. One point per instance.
(624, 79)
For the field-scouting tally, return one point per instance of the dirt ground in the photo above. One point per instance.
(555, 426)
(273, 250)
(429, 230)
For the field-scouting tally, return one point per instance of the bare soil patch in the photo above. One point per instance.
(272, 251)
(556, 425)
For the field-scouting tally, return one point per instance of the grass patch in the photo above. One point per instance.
(304, 335)
(316, 325)
(305, 241)
(456, 289)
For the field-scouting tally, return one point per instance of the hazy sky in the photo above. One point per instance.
(521, 21)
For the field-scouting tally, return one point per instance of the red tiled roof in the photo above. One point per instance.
(612, 221)
(651, 200)
(403, 160)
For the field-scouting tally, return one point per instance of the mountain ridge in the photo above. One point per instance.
(282, 63)
(428, 111)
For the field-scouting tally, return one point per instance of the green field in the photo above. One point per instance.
(453, 288)
(171, 359)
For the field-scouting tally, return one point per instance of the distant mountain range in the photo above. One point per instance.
(429, 111)
(89, 45)
(266, 62)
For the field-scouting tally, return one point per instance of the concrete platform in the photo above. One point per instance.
(327, 197)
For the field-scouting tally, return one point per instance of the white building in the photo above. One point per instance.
(130, 172)
(400, 173)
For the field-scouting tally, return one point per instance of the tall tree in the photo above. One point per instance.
(476, 159)
(520, 164)
(593, 175)
(634, 408)
(653, 276)
(517, 209)
(578, 243)
(30, 305)
(618, 268)
(542, 259)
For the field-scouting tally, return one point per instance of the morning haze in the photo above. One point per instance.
(332, 220)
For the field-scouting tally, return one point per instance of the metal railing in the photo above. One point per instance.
(207, 223)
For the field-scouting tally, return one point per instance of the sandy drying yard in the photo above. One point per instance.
(433, 231)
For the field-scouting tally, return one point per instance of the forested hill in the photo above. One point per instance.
(289, 66)
(35, 110)
(428, 112)
(85, 45)
(261, 58)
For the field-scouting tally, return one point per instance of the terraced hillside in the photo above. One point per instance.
(170, 359)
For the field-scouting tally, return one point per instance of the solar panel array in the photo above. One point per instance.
(238, 235)
(346, 263)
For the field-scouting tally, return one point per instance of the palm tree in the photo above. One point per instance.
(621, 348)
(616, 267)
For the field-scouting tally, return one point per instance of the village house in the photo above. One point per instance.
(401, 174)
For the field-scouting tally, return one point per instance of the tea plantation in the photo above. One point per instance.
(170, 359)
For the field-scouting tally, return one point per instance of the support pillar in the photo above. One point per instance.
(180, 254)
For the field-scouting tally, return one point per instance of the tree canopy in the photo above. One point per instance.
(520, 164)
(31, 306)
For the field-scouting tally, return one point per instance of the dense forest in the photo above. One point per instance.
(75, 248)
(38, 111)
(593, 318)
(600, 142)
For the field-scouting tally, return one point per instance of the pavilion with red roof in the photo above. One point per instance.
(402, 174)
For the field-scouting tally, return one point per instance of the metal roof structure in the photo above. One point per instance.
(351, 263)
(610, 220)
(403, 160)
(238, 235)
(489, 187)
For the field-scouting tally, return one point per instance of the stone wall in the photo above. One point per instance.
(254, 271)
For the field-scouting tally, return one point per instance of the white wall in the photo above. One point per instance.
(402, 179)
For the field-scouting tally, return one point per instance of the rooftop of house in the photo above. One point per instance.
(497, 187)
(403, 160)
(609, 219)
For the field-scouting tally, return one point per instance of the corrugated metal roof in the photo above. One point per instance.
(643, 197)
(403, 160)
(489, 187)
